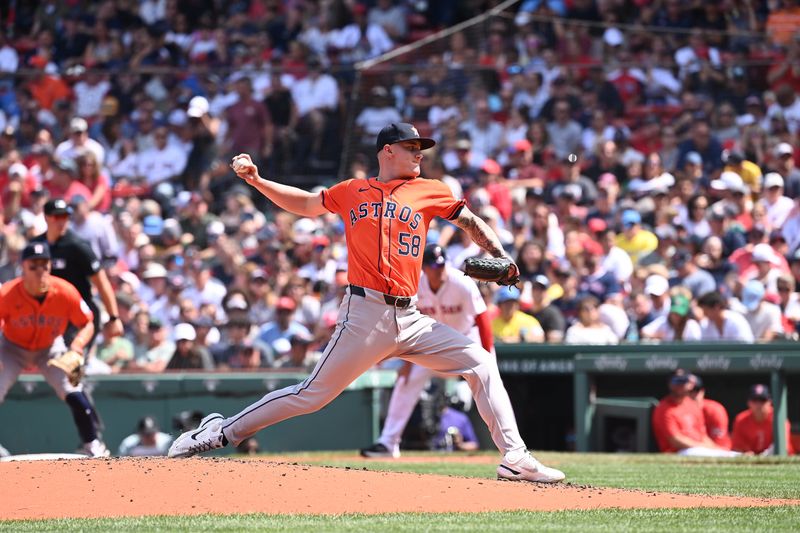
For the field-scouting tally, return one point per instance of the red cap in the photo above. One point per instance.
(284, 302)
(320, 240)
(490, 166)
(597, 224)
(522, 145)
(38, 61)
(592, 247)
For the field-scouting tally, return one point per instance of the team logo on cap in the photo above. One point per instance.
(415, 131)
(38, 249)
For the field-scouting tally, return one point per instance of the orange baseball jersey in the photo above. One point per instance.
(33, 325)
(386, 225)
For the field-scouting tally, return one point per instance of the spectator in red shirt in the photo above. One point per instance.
(714, 415)
(499, 192)
(752, 429)
(678, 421)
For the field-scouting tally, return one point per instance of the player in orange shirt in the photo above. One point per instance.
(752, 429)
(386, 222)
(35, 309)
(714, 415)
(678, 422)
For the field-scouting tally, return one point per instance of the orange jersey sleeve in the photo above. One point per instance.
(386, 226)
(33, 325)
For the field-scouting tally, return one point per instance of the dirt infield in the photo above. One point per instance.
(157, 486)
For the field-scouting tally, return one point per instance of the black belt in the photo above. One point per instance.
(397, 301)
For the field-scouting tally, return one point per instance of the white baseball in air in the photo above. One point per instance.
(572, 158)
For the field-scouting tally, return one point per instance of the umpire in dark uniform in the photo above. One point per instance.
(74, 261)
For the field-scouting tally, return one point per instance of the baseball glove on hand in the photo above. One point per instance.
(71, 362)
(501, 270)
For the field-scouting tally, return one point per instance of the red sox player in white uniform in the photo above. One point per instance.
(449, 296)
(386, 220)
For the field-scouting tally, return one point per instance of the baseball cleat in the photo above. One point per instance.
(95, 448)
(206, 437)
(379, 450)
(521, 466)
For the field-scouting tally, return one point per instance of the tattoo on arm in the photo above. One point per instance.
(480, 232)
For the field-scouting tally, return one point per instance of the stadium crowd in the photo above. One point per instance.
(678, 219)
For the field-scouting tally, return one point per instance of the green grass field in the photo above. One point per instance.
(767, 478)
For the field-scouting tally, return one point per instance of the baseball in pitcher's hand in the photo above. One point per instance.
(243, 165)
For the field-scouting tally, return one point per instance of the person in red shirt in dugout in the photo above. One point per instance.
(752, 428)
(715, 415)
(678, 421)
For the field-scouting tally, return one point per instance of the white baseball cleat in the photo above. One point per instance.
(95, 448)
(521, 466)
(206, 437)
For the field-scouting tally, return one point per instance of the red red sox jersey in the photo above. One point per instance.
(386, 225)
(456, 304)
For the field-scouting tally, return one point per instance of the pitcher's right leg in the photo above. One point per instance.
(365, 335)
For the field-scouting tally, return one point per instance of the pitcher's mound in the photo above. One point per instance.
(159, 486)
(41, 457)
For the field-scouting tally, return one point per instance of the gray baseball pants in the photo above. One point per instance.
(14, 359)
(368, 331)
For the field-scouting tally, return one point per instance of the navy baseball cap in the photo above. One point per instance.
(434, 255)
(36, 250)
(759, 392)
(57, 206)
(399, 132)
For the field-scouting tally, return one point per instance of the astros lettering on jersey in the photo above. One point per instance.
(33, 325)
(389, 233)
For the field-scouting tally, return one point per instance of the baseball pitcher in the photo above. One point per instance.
(386, 221)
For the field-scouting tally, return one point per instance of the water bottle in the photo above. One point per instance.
(632, 336)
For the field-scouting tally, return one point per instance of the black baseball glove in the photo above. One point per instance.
(501, 270)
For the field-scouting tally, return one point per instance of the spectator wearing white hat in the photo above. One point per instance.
(764, 265)
(764, 317)
(777, 205)
(725, 186)
(784, 164)
(677, 325)
(187, 355)
(154, 287)
(656, 287)
(79, 140)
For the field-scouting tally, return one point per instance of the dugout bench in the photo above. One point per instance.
(772, 360)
